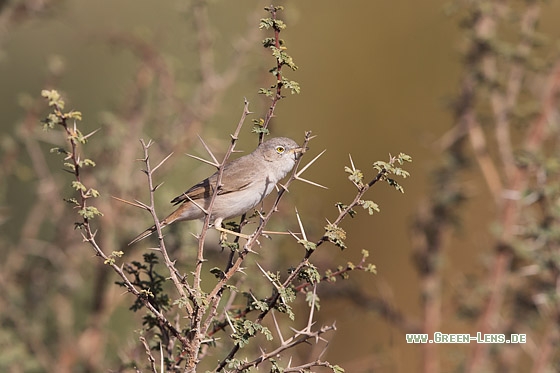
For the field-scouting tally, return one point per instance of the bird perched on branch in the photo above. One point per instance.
(245, 182)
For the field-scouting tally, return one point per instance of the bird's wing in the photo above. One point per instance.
(205, 189)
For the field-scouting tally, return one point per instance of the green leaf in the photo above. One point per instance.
(260, 130)
(266, 23)
(291, 85)
(92, 193)
(341, 207)
(218, 273)
(329, 276)
(266, 92)
(370, 206)
(356, 176)
(51, 121)
(313, 299)
(274, 367)
(74, 115)
(245, 329)
(73, 201)
(274, 8)
(87, 162)
(382, 166)
(181, 302)
(337, 369)
(58, 150)
(287, 295)
(279, 24)
(70, 166)
(259, 305)
(268, 42)
(309, 246)
(401, 158)
(310, 274)
(336, 235)
(283, 58)
(78, 186)
(89, 212)
(53, 98)
(233, 246)
(79, 137)
(400, 172)
(395, 185)
(371, 268)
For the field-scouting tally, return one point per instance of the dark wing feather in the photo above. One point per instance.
(205, 189)
(201, 190)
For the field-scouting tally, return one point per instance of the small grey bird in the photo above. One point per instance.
(245, 183)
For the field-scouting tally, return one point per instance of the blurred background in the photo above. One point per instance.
(377, 78)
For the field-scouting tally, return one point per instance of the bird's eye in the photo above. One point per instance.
(280, 149)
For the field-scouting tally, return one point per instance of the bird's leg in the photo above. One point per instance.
(223, 231)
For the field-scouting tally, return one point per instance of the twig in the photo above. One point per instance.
(299, 337)
(151, 358)
(180, 284)
(89, 235)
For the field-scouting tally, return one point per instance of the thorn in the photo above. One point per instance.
(283, 187)
(135, 204)
(312, 309)
(229, 322)
(310, 163)
(301, 225)
(275, 232)
(203, 160)
(311, 182)
(196, 204)
(162, 161)
(260, 214)
(323, 352)
(157, 186)
(266, 275)
(294, 235)
(277, 327)
(352, 162)
(91, 133)
(208, 150)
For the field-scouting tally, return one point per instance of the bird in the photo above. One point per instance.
(245, 182)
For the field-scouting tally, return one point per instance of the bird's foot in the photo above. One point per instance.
(224, 232)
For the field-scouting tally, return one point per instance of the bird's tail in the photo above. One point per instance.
(164, 223)
(143, 235)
